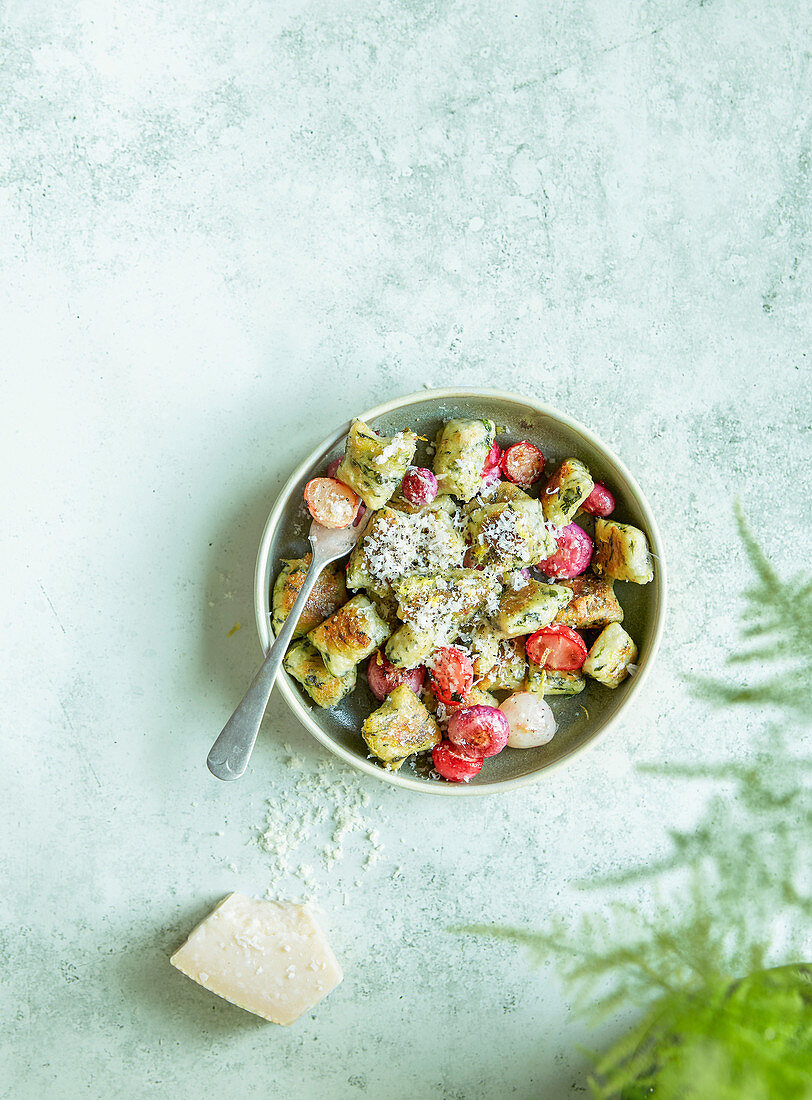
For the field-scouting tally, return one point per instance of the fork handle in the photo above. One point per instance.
(232, 750)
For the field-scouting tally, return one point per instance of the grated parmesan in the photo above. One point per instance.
(312, 818)
(460, 596)
(400, 543)
(501, 534)
(390, 450)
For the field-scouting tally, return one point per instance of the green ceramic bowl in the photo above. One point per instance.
(580, 718)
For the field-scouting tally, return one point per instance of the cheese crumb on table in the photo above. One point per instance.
(310, 820)
(268, 957)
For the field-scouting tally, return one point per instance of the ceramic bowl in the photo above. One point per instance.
(581, 718)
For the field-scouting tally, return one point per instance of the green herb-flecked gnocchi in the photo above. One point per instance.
(360, 570)
(399, 727)
(592, 603)
(329, 593)
(546, 681)
(534, 605)
(304, 663)
(509, 669)
(462, 449)
(566, 491)
(621, 552)
(396, 543)
(500, 493)
(443, 601)
(432, 608)
(387, 609)
(349, 635)
(409, 647)
(482, 639)
(374, 465)
(506, 490)
(509, 535)
(610, 656)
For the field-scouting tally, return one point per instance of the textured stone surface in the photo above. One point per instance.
(227, 226)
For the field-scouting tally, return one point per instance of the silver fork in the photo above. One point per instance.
(232, 750)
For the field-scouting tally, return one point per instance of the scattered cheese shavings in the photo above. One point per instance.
(501, 533)
(308, 821)
(390, 450)
(491, 605)
(421, 542)
(461, 596)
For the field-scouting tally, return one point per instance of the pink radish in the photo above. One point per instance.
(456, 764)
(419, 485)
(383, 676)
(523, 463)
(573, 555)
(479, 727)
(331, 503)
(557, 647)
(600, 501)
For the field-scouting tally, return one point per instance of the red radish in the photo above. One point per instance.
(333, 467)
(573, 555)
(419, 485)
(456, 764)
(557, 647)
(479, 727)
(523, 463)
(452, 674)
(600, 501)
(331, 503)
(532, 722)
(493, 461)
(383, 676)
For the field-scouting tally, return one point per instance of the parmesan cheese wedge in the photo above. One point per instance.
(270, 958)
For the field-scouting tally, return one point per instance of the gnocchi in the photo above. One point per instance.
(467, 593)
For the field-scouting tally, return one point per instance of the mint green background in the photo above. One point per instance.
(224, 228)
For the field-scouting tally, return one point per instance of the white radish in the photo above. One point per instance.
(531, 720)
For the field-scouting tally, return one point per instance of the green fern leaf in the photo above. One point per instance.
(742, 865)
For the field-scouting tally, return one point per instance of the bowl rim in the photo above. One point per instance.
(262, 598)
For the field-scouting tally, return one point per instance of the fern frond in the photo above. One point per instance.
(777, 617)
(736, 870)
(755, 554)
(779, 647)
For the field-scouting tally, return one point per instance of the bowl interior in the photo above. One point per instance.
(581, 717)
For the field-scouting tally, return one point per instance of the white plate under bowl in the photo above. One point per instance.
(581, 717)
